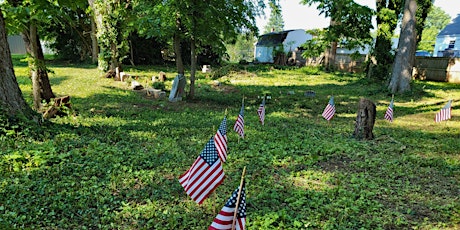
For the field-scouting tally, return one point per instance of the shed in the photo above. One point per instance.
(448, 40)
(286, 41)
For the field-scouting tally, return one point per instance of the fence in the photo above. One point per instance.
(343, 62)
(437, 69)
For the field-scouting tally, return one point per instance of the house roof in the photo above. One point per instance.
(273, 38)
(452, 28)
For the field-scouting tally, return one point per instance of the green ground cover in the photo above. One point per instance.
(115, 163)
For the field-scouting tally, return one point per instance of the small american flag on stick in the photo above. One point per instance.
(261, 112)
(204, 175)
(239, 124)
(221, 140)
(329, 111)
(445, 113)
(389, 113)
(233, 214)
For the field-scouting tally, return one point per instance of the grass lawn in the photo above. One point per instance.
(115, 163)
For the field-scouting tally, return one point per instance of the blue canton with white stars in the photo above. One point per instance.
(209, 153)
(231, 203)
(223, 127)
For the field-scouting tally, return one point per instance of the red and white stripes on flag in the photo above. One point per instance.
(261, 112)
(224, 220)
(389, 113)
(329, 111)
(445, 113)
(220, 140)
(239, 124)
(205, 174)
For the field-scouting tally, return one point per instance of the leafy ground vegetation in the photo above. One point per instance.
(115, 162)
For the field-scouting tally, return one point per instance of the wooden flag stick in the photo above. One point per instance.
(238, 198)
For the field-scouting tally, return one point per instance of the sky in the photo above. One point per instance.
(298, 16)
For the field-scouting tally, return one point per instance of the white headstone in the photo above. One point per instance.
(178, 88)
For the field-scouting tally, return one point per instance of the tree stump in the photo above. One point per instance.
(365, 120)
(57, 109)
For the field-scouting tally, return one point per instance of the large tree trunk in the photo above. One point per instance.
(41, 87)
(96, 22)
(404, 61)
(11, 101)
(110, 38)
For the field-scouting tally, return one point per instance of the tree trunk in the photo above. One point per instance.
(329, 61)
(41, 87)
(330, 57)
(33, 65)
(404, 61)
(11, 101)
(94, 45)
(46, 93)
(192, 67)
(178, 51)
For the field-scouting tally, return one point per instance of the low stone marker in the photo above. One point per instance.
(156, 93)
(136, 85)
(206, 69)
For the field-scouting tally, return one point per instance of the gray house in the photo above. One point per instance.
(448, 40)
(17, 46)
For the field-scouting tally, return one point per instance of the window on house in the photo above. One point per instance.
(451, 44)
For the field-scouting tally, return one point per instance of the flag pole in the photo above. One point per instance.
(238, 199)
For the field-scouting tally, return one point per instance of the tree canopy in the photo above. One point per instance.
(275, 21)
(436, 20)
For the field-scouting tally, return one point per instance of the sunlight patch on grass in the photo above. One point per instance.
(312, 180)
(424, 121)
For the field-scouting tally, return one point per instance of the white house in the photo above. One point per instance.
(448, 40)
(285, 41)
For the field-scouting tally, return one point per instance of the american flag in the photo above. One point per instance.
(261, 112)
(389, 113)
(221, 140)
(329, 111)
(224, 220)
(205, 174)
(239, 124)
(444, 114)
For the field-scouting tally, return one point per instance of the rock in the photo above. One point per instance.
(136, 85)
(206, 69)
(309, 94)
